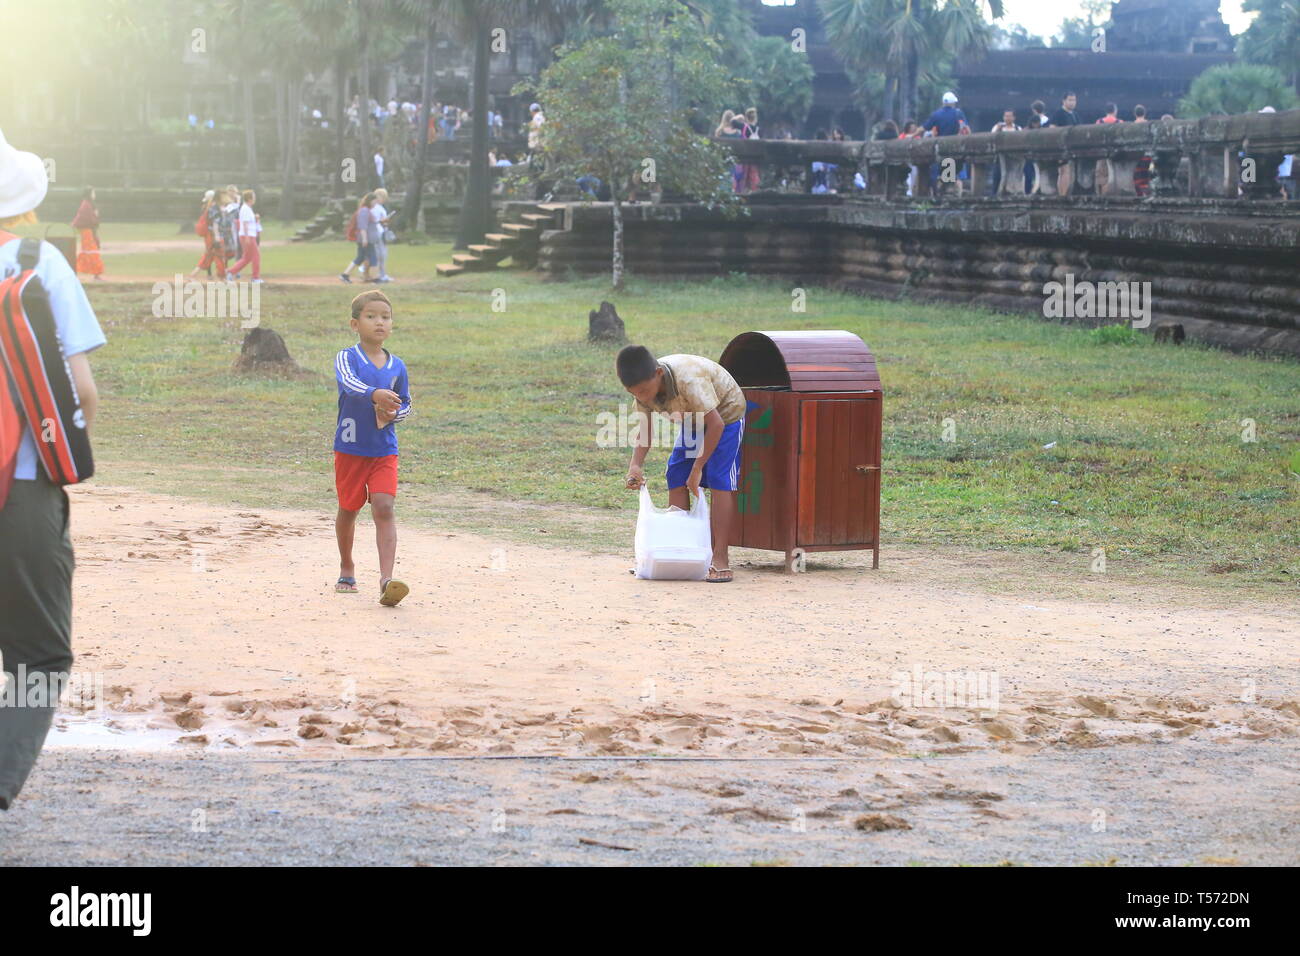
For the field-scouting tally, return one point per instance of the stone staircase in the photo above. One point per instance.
(516, 240)
(329, 219)
(332, 218)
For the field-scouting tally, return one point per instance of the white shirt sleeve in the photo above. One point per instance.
(74, 320)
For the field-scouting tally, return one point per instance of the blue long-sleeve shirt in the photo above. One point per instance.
(356, 432)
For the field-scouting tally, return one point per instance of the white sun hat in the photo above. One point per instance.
(949, 98)
(23, 180)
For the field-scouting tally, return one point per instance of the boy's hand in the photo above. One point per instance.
(386, 399)
(693, 480)
(635, 476)
(383, 416)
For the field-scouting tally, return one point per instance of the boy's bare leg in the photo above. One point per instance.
(345, 526)
(679, 498)
(382, 510)
(722, 517)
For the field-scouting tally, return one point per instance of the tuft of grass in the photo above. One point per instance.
(1115, 335)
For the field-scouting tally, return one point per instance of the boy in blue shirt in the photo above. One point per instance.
(374, 395)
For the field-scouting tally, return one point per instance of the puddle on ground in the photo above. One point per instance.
(102, 733)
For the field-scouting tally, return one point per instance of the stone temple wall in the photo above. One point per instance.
(1228, 271)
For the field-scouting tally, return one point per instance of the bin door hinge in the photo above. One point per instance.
(866, 468)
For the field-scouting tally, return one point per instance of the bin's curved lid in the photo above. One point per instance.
(802, 361)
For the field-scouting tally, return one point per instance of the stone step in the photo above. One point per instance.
(537, 218)
(447, 269)
(518, 228)
(470, 262)
(500, 238)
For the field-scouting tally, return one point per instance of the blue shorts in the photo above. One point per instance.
(366, 254)
(721, 471)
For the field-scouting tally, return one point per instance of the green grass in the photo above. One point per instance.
(1148, 460)
(298, 259)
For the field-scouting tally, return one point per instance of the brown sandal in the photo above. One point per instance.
(716, 575)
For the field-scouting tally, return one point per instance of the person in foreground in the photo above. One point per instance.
(703, 396)
(374, 395)
(36, 560)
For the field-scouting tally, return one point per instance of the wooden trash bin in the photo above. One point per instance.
(810, 458)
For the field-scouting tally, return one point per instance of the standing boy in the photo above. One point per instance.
(374, 395)
(694, 389)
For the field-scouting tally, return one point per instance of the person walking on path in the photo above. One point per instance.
(87, 222)
(209, 227)
(382, 217)
(360, 231)
(36, 561)
(250, 252)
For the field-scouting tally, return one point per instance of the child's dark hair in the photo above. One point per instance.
(372, 295)
(635, 365)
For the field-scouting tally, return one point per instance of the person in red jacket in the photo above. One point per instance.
(87, 222)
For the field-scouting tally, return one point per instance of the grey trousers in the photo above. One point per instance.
(35, 620)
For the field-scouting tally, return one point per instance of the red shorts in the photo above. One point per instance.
(357, 477)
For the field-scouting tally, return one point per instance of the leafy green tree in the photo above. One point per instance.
(610, 113)
(1237, 88)
(782, 81)
(1273, 37)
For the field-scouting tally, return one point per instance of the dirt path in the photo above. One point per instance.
(124, 247)
(1065, 807)
(221, 626)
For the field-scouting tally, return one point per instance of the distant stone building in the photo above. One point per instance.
(1168, 26)
(1154, 50)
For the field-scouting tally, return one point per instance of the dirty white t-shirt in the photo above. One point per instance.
(74, 323)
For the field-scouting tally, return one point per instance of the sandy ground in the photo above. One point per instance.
(216, 633)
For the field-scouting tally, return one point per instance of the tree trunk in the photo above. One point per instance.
(293, 97)
(340, 124)
(281, 86)
(476, 208)
(246, 88)
(891, 99)
(911, 78)
(617, 256)
(366, 174)
(415, 191)
(250, 135)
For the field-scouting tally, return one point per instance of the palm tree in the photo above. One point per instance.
(1273, 38)
(1231, 88)
(904, 40)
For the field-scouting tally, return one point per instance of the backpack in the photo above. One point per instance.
(352, 228)
(38, 380)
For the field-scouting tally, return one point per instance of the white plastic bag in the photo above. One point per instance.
(671, 544)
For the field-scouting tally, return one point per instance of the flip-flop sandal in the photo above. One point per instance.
(346, 586)
(393, 592)
(719, 572)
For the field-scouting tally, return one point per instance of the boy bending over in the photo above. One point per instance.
(693, 390)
